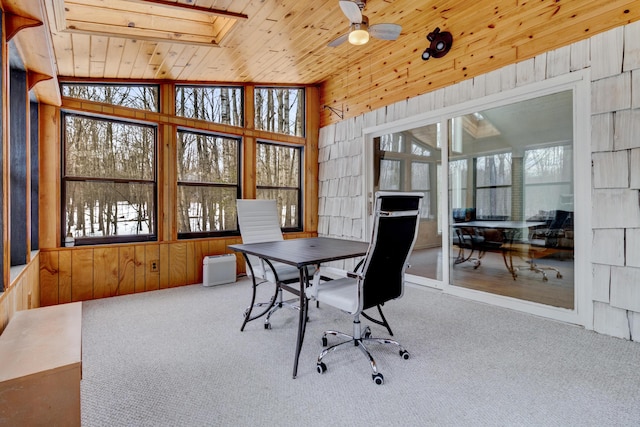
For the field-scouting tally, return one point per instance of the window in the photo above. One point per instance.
(493, 186)
(208, 184)
(548, 179)
(406, 163)
(216, 104)
(280, 110)
(278, 177)
(18, 160)
(109, 180)
(142, 97)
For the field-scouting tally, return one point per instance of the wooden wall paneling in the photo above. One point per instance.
(310, 192)
(29, 282)
(105, 264)
(167, 176)
(64, 276)
(4, 311)
(178, 264)
(49, 274)
(152, 278)
(140, 269)
(127, 272)
(165, 267)
(190, 262)
(200, 250)
(82, 274)
(249, 149)
(50, 177)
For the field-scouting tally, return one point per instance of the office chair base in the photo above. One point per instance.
(292, 304)
(358, 340)
(275, 303)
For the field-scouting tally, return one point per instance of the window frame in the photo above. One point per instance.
(238, 185)
(64, 179)
(113, 84)
(302, 101)
(300, 188)
(210, 86)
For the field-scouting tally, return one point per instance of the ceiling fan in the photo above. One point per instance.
(359, 29)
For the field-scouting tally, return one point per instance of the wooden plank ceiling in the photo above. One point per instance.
(285, 42)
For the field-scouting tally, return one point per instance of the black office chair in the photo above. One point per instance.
(381, 277)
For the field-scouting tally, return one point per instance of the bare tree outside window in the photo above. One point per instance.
(142, 97)
(109, 180)
(208, 183)
(216, 104)
(280, 110)
(278, 178)
(493, 186)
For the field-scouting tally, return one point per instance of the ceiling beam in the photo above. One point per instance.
(194, 8)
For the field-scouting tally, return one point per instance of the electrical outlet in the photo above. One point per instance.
(154, 266)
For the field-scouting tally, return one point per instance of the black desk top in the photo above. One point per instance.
(307, 251)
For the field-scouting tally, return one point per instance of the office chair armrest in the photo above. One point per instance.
(354, 275)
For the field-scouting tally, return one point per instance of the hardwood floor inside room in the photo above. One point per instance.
(493, 277)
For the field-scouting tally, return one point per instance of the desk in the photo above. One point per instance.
(301, 253)
(508, 244)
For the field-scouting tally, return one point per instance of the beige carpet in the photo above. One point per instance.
(176, 357)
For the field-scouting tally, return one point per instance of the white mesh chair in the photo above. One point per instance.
(380, 278)
(258, 222)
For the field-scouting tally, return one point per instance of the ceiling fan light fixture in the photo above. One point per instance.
(358, 34)
(358, 37)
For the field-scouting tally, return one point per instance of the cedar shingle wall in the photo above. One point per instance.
(614, 62)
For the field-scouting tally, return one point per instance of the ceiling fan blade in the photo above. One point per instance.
(385, 31)
(336, 42)
(351, 11)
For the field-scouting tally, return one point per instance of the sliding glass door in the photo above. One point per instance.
(511, 200)
(507, 172)
(411, 161)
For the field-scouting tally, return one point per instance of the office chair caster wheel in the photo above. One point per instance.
(321, 368)
(267, 325)
(405, 354)
(367, 333)
(378, 378)
(324, 341)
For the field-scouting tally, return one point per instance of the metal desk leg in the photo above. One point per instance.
(269, 305)
(302, 322)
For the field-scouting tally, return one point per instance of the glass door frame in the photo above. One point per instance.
(579, 83)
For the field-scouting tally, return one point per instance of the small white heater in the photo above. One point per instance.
(218, 269)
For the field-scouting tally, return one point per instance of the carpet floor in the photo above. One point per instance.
(176, 357)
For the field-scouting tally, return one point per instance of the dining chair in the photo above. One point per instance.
(380, 278)
(258, 221)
